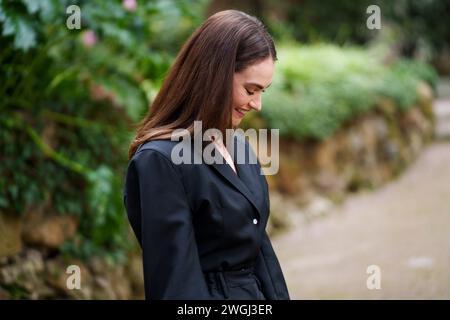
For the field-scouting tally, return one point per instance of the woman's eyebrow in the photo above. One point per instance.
(257, 85)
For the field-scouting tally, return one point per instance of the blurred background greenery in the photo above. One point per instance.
(69, 99)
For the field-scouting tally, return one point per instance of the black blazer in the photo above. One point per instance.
(201, 227)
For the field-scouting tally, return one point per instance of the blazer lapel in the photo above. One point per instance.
(243, 181)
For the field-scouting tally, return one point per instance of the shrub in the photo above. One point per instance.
(318, 88)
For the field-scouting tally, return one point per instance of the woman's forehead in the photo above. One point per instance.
(259, 73)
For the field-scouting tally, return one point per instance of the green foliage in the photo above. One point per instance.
(419, 25)
(418, 70)
(68, 99)
(400, 83)
(318, 88)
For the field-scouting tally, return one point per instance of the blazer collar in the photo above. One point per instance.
(244, 180)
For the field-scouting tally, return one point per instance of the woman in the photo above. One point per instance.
(201, 227)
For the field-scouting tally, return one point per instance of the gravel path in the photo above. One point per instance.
(403, 228)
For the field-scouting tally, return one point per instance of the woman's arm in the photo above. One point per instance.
(161, 218)
(269, 273)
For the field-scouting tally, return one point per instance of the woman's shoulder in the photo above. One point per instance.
(166, 148)
(160, 147)
(163, 146)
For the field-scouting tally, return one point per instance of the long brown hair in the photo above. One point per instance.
(199, 84)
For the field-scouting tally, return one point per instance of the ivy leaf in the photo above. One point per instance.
(46, 8)
(9, 27)
(24, 35)
(32, 6)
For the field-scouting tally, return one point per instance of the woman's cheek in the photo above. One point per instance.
(240, 101)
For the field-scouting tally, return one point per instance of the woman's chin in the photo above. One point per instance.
(236, 122)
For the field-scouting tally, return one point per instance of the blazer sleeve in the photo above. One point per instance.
(268, 271)
(161, 218)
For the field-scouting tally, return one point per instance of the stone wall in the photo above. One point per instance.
(365, 153)
(31, 267)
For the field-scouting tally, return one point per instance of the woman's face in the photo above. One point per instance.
(248, 86)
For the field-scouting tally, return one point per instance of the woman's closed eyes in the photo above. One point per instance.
(252, 93)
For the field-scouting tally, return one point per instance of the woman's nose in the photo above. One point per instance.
(256, 104)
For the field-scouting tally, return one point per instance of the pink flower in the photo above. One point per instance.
(129, 5)
(89, 38)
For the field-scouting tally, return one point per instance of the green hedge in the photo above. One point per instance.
(318, 88)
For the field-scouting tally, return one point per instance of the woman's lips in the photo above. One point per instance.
(239, 113)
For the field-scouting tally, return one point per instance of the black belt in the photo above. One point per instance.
(226, 277)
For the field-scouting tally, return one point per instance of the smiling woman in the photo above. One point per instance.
(217, 77)
(201, 227)
(248, 86)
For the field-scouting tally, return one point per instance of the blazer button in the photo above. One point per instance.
(255, 221)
